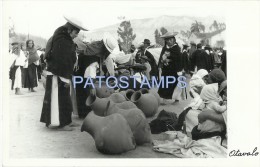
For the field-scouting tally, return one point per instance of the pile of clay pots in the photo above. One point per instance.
(118, 122)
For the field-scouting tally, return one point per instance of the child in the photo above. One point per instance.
(211, 100)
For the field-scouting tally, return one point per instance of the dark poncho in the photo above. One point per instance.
(62, 57)
(175, 55)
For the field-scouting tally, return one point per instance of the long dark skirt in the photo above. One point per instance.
(64, 100)
(30, 76)
(164, 92)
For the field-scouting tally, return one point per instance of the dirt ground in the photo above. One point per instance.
(29, 138)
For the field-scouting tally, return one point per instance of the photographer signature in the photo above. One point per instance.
(238, 153)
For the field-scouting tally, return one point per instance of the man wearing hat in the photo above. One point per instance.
(60, 58)
(170, 63)
(17, 61)
(202, 59)
(205, 59)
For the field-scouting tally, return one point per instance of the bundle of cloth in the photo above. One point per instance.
(182, 146)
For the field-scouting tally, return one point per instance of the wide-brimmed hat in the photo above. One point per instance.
(169, 35)
(75, 22)
(110, 42)
(146, 41)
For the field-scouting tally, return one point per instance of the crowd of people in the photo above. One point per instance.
(63, 58)
(26, 65)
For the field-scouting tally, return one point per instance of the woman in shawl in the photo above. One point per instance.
(190, 113)
(30, 72)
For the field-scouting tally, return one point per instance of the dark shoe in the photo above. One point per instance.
(32, 90)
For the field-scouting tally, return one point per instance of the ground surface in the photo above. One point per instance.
(29, 138)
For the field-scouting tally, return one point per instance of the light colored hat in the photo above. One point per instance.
(110, 42)
(169, 35)
(14, 41)
(75, 22)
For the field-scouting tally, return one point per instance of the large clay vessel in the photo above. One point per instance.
(103, 91)
(122, 92)
(146, 102)
(112, 133)
(117, 98)
(156, 95)
(97, 104)
(129, 93)
(126, 105)
(136, 120)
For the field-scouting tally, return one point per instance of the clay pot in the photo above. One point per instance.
(122, 93)
(129, 93)
(146, 102)
(144, 91)
(112, 133)
(156, 95)
(98, 105)
(126, 105)
(117, 98)
(104, 91)
(136, 120)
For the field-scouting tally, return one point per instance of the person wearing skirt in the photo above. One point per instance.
(170, 64)
(30, 70)
(61, 58)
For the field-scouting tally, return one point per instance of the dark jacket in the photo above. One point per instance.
(185, 61)
(62, 57)
(224, 62)
(175, 57)
(195, 58)
(205, 61)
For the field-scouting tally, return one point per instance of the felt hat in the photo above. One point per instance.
(169, 35)
(199, 45)
(110, 42)
(75, 22)
(217, 76)
(146, 41)
(185, 46)
(207, 47)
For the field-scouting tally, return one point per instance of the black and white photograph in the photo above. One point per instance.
(109, 83)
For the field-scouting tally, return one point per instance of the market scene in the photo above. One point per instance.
(114, 94)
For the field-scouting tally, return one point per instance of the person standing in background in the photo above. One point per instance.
(185, 58)
(16, 69)
(30, 72)
(171, 65)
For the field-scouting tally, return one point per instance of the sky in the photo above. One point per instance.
(43, 17)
